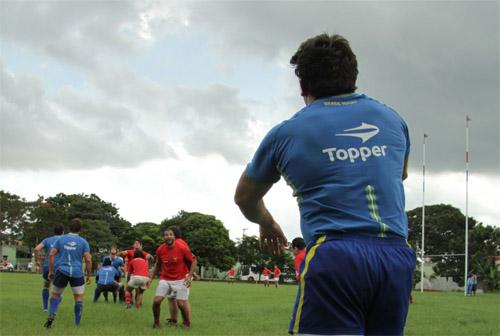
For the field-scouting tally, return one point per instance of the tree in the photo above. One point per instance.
(207, 237)
(249, 253)
(445, 234)
(147, 233)
(14, 217)
(484, 242)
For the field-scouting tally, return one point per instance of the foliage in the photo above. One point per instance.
(249, 253)
(14, 217)
(147, 233)
(445, 234)
(207, 237)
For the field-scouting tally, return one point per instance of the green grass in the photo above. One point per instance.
(222, 309)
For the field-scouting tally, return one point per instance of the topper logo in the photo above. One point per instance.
(365, 132)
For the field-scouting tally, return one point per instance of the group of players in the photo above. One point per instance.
(174, 262)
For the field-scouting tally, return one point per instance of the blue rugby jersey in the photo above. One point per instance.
(71, 248)
(48, 243)
(106, 275)
(343, 157)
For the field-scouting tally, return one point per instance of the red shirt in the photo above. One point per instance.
(298, 260)
(138, 266)
(231, 272)
(266, 271)
(174, 261)
(130, 255)
(277, 272)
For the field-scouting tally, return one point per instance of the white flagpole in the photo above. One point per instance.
(423, 218)
(467, 119)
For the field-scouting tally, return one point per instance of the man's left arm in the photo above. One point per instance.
(249, 198)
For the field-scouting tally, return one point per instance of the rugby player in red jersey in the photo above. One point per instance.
(177, 265)
(139, 278)
(299, 252)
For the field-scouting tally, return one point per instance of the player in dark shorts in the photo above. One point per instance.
(345, 156)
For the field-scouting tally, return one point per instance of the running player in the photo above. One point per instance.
(47, 244)
(177, 265)
(345, 156)
(72, 249)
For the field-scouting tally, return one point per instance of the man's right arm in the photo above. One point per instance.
(36, 250)
(52, 254)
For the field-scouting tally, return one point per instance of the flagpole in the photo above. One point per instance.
(467, 119)
(423, 218)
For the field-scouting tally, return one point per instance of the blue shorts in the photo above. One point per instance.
(354, 285)
(61, 280)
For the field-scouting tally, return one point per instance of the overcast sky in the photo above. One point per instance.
(158, 106)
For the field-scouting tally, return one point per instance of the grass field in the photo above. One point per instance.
(222, 309)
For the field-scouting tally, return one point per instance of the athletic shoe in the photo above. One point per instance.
(128, 306)
(49, 322)
(171, 322)
(156, 326)
(186, 324)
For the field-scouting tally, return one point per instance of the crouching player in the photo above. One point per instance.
(106, 280)
(177, 265)
(138, 269)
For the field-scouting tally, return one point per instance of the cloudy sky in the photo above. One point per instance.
(158, 106)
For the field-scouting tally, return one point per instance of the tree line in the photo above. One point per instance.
(28, 222)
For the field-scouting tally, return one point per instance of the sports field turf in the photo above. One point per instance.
(222, 309)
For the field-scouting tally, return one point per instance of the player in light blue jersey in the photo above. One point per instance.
(345, 156)
(119, 264)
(106, 280)
(71, 249)
(47, 244)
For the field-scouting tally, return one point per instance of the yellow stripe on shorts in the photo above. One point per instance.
(309, 256)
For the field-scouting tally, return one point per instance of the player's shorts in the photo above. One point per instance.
(275, 279)
(354, 285)
(138, 281)
(61, 281)
(265, 278)
(172, 289)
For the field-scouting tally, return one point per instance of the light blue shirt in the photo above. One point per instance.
(343, 157)
(71, 248)
(107, 275)
(48, 244)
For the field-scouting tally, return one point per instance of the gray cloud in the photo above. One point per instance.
(434, 62)
(70, 131)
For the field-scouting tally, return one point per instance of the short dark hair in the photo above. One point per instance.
(138, 254)
(75, 225)
(299, 243)
(326, 66)
(106, 261)
(58, 229)
(175, 230)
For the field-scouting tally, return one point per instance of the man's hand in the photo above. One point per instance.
(188, 280)
(272, 238)
(88, 280)
(51, 276)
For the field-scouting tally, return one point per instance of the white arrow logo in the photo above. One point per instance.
(368, 132)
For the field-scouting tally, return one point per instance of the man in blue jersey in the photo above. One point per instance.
(71, 249)
(47, 244)
(345, 156)
(119, 265)
(106, 280)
